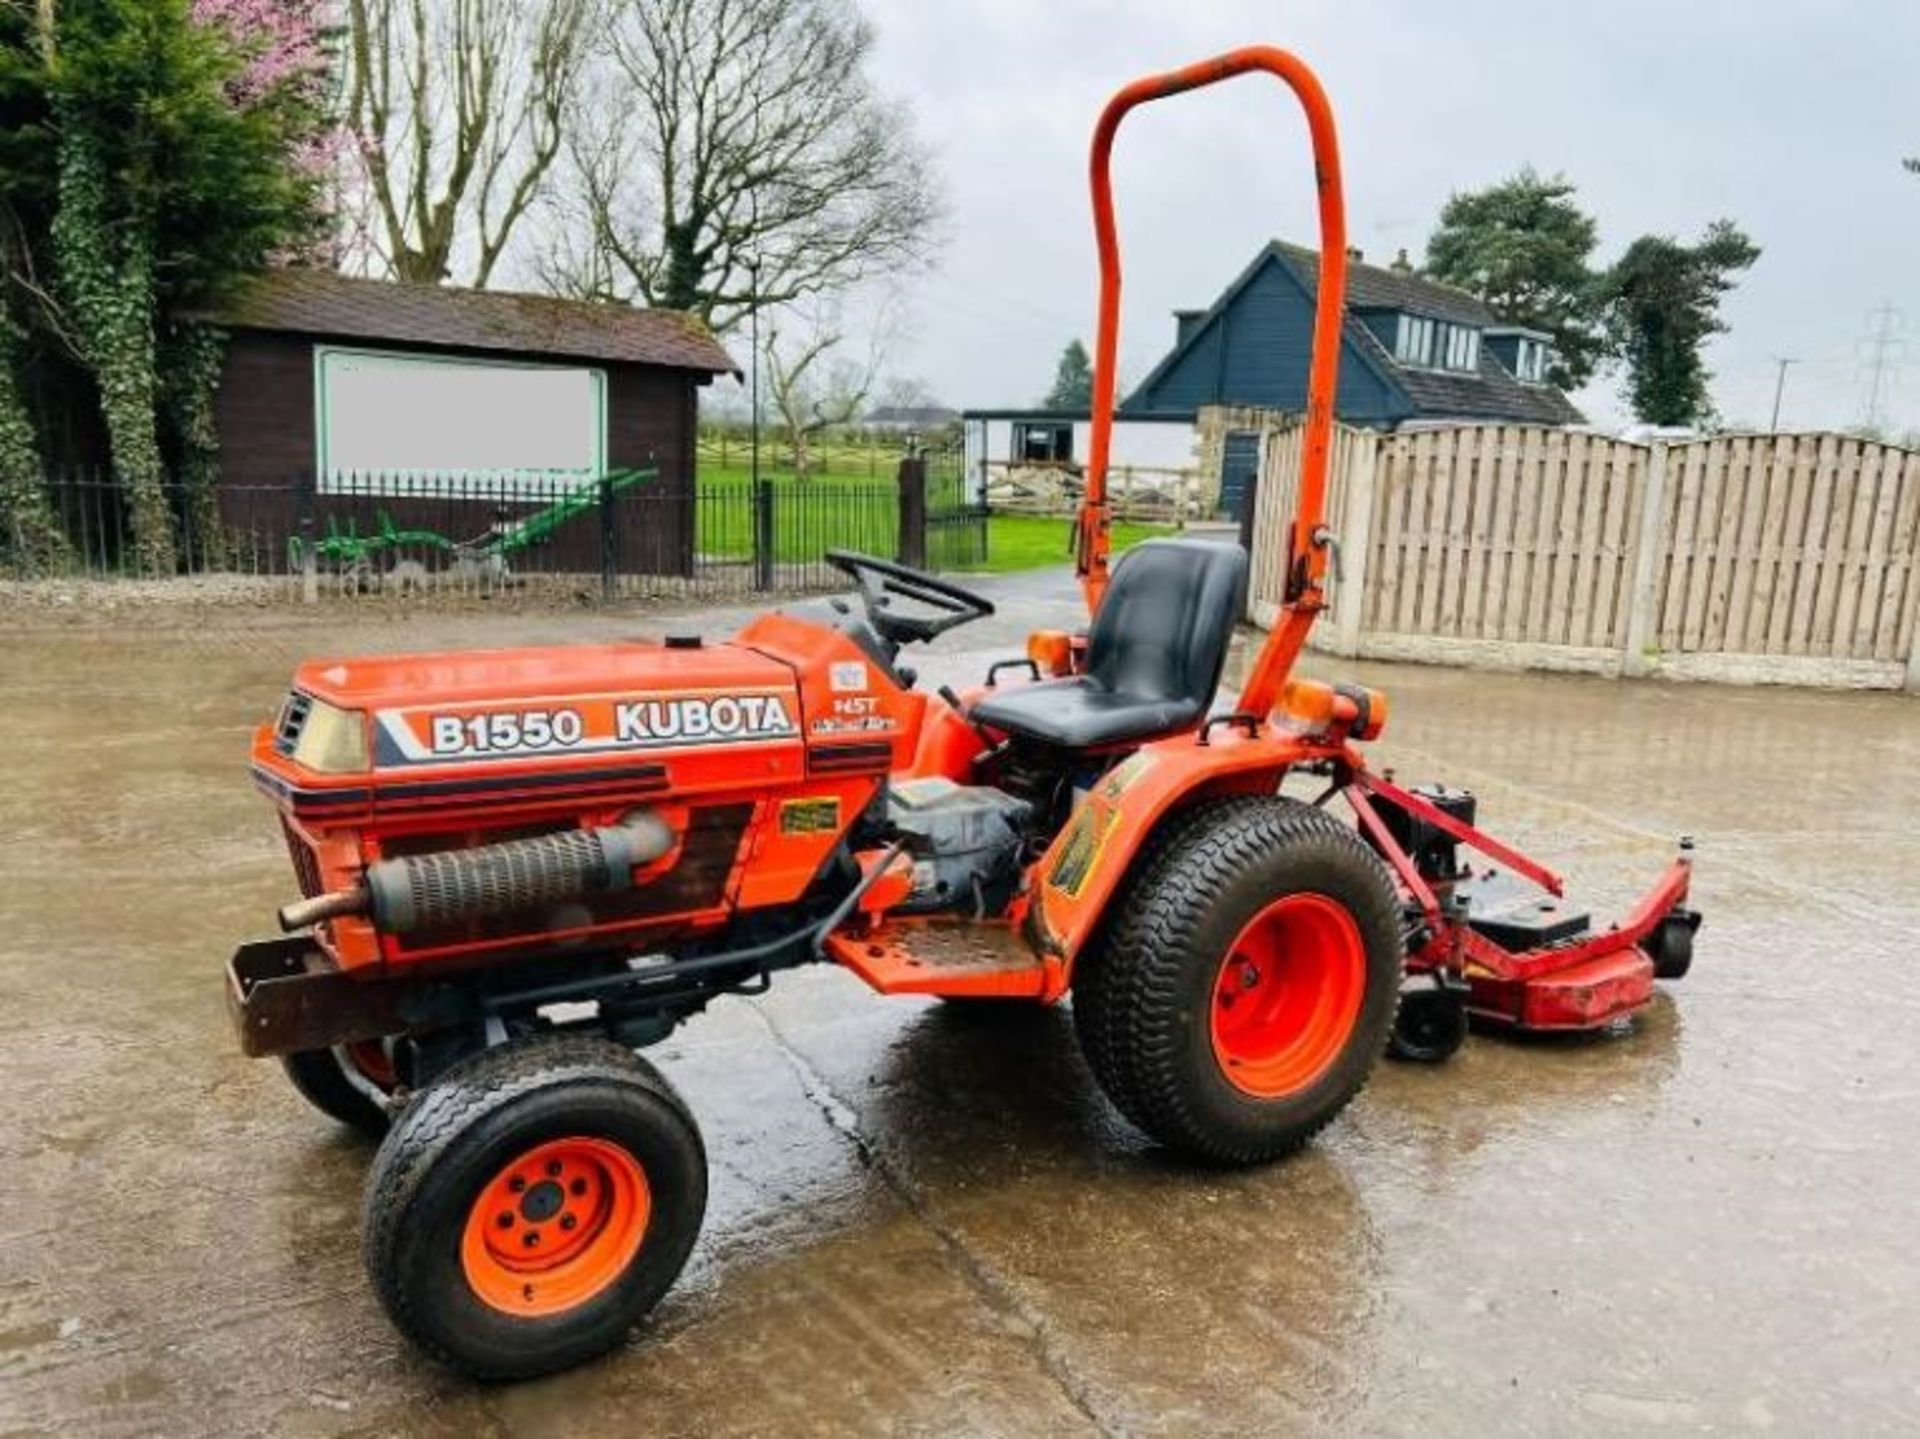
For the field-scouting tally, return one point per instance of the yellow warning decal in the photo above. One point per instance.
(820, 815)
(1121, 777)
(1080, 851)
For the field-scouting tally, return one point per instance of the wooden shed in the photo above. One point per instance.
(456, 409)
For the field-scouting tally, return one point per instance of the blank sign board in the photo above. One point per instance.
(420, 416)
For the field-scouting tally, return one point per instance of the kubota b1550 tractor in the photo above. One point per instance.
(520, 866)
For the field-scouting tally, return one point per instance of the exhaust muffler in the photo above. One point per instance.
(432, 891)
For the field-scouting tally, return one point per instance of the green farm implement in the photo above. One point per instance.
(395, 555)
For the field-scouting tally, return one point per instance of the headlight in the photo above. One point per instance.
(322, 737)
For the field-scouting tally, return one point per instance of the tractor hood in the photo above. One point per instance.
(521, 704)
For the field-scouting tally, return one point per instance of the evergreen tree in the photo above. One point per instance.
(1072, 381)
(1524, 246)
(1662, 305)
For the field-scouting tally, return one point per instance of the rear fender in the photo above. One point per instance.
(1073, 882)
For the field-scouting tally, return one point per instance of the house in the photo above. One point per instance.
(1413, 351)
(418, 393)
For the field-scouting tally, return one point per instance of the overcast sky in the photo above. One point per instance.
(1787, 116)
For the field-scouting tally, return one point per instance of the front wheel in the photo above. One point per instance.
(352, 1083)
(1244, 987)
(532, 1204)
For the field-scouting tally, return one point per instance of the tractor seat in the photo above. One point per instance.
(1154, 655)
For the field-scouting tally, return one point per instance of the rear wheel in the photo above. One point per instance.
(1247, 980)
(533, 1204)
(350, 1083)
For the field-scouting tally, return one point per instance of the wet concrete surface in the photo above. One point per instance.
(928, 1223)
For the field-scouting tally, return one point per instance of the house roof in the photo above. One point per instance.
(930, 417)
(1375, 287)
(320, 303)
(1490, 392)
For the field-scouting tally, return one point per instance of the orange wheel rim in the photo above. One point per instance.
(556, 1226)
(1287, 997)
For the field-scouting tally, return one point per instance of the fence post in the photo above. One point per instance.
(912, 545)
(763, 535)
(609, 542)
(1354, 526)
(303, 520)
(1642, 603)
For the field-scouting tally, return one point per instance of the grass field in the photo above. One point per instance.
(852, 512)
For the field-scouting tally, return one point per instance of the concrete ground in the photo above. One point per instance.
(926, 1224)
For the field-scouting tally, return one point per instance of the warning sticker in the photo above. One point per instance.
(820, 815)
(1080, 851)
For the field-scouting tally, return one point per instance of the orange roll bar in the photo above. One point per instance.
(1307, 538)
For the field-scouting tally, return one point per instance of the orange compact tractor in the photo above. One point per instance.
(520, 866)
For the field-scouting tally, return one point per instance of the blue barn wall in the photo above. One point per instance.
(1257, 351)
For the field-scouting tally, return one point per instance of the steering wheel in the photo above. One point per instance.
(880, 579)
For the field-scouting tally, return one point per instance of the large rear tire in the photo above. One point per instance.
(1242, 990)
(532, 1205)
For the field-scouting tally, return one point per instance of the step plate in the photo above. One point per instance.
(953, 957)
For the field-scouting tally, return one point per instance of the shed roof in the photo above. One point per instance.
(323, 304)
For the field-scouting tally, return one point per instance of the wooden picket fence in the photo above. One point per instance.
(1746, 558)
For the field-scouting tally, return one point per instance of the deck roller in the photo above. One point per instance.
(432, 891)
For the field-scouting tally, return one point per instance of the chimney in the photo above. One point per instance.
(1401, 264)
(1355, 255)
(1184, 324)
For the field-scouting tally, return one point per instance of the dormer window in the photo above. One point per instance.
(1530, 362)
(1436, 345)
(1462, 348)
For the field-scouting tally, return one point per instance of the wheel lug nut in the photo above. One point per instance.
(505, 1221)
(578, 1187)
(567, 1221)
(532, 1238)
(553, 1168)
(1249, 976)
(517, 1184)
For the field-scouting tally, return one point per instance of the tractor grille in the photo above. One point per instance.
(293, 719)
(306, 868)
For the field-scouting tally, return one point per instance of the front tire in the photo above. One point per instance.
(532, 1205)
(352, 1083)
(1245, 984)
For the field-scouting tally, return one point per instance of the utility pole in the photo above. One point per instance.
(1779, 389)
(753, 319)
(753, 274)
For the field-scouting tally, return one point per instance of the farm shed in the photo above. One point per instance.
(458, 409)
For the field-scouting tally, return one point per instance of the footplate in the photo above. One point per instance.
(950, 957)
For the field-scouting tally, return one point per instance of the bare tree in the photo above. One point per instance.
(739, 159)
(815, 385)
(458, 111)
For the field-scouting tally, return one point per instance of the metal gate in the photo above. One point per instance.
(956, 522)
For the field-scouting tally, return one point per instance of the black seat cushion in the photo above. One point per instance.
(1154, 655)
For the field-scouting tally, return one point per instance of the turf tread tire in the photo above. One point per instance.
(1133, 989)
(439, 1117)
